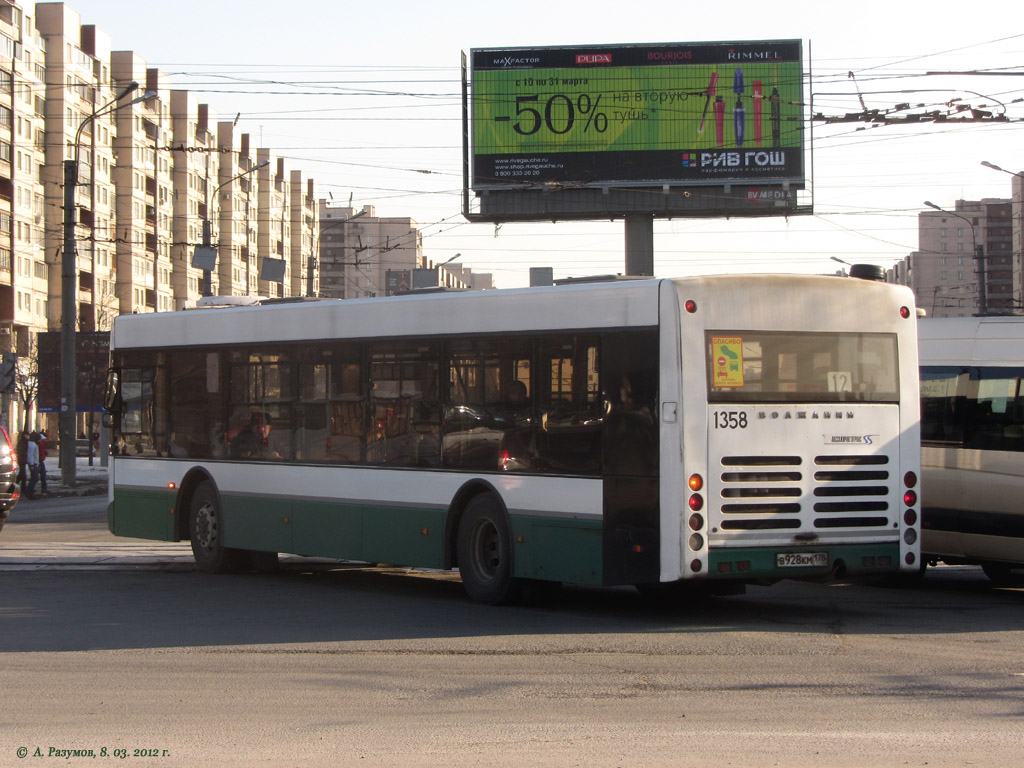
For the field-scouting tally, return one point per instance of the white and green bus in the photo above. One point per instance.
(722, 430)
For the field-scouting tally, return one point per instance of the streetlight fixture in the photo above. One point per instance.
(995, 167)
(979, 255)
(69, 292)
(841, 261)
(207, 259)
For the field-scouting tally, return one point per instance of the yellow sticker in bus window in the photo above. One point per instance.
(727, 359)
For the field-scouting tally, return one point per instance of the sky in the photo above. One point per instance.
(365, 99)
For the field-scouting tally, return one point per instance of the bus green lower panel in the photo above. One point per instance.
(761, 562)
(257, 522)
(544, 548)
(558, 550)
(346, 531)
(142, 514)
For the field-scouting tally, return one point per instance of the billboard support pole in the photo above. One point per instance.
(639, 244)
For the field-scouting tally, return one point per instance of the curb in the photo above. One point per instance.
(62, 492)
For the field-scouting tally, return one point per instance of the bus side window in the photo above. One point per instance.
(570, 405)
(405, 408)
(142, 427)
(346, 429)
(259, 406)
(488, 417)
(194, 403)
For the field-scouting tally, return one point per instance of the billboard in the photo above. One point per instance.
(92, 358)
(652, 115)
(397, 281)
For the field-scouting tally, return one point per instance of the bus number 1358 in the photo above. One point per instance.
(730, 420)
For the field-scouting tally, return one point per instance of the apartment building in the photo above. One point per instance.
(195, 164)
(305, 233)
(474, 281)
(964, 264)
(237, 202)
(273, 225)
(24, 279)
(144, 194)
(358, 248)
(79, 85)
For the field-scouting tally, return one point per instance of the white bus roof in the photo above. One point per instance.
(833, 302)
(971, 341)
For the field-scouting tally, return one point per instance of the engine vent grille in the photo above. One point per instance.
(771, 492)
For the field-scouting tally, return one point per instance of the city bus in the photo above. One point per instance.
(972, 432)
(713, 431)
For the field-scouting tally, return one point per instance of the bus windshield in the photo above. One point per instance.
(801, 367)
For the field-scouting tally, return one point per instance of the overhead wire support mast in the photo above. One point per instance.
(69, 291)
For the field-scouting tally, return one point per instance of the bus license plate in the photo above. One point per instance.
(801, 559)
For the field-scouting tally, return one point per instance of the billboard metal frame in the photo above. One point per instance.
(669, 130)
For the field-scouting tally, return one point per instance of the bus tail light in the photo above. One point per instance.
(910, 536)
(696, 522)
(696, 542)
(905, 312)
(910, 480)
(910, 498)
(910, 517)
(696, 502)
(696, 565)
(696, 482)
(690, 305)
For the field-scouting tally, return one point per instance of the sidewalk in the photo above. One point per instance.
(89, 481)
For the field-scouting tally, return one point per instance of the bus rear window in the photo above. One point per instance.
(787, 367)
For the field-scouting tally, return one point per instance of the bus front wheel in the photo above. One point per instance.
(485, 552)
(206, 531)
(1004, 574)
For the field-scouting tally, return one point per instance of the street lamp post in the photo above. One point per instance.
(69, 293)
(206, 288)
(979, 255)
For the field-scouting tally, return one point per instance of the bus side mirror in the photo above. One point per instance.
(112, 392)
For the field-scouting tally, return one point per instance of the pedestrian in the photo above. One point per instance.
(32, 461)
(42, 462)
(22, 452)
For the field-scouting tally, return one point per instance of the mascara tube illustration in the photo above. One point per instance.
(719, 110)
(709, 93)
(757, 91)
(739, 114)
(775, 107)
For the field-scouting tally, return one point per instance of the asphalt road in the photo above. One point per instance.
(121, 645)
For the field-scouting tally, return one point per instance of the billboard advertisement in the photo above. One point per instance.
(676, 114)
(92, 358)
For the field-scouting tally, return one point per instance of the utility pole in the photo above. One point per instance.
(69, 295)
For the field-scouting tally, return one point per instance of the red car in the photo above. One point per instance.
(9, 491)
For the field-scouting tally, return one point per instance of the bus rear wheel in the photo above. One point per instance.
(1004, 574)
(206, 532)
(485, 552)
